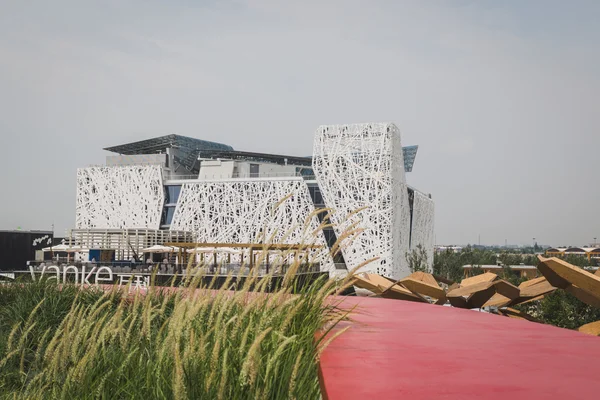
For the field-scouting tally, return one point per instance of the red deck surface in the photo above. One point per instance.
(398, 349)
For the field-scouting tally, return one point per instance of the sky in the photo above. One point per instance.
(503, 98)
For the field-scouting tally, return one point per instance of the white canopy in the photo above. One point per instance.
(157, 248)
(229, 250)
(65, 248)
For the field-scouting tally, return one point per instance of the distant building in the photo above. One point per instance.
(17, 247)
(220, 195)
(454, 249)
(522, 271)
(589, 252)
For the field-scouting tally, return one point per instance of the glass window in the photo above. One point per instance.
(170, 212)
(173, 194)
(167, 215)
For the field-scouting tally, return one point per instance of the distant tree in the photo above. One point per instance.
(417, 259)
(561, 309)
(578, 260)
(448, 264)
(512, 276)
(476, 270)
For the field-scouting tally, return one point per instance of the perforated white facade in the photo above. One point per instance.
(360, 167)
(125, 197)
(251, 211)
(360, 173)
(422, 224)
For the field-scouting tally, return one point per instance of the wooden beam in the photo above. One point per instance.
(583, 296)
(513, 313)
(423, 288)
(424, 277)
(443, 280)
(506, 289)
(593, 328)
(486, 277)
(480, 297)
(497, 300)
(400, 293)
(380, 285)
(469, 290)
(458, 302)
(538, 288)
(579, 277)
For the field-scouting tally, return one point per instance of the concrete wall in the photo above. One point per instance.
(226, 169)
(138, 159)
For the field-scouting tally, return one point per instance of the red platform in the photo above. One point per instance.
(398, 349)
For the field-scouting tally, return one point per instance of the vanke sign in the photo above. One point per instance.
(97, 275)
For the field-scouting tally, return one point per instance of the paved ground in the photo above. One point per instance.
(398, 349)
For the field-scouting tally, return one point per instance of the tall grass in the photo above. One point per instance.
(195, 342)
(248, 339)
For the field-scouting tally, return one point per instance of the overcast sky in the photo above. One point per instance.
(502, 97)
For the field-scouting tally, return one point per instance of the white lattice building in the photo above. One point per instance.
(226, 196)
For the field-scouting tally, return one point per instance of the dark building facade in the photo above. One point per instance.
(18, 247)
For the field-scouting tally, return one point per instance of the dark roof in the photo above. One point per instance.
(25, 231)
(161, 143)
(188, 147)
(409, 153)
(259, 157)
(193, 148)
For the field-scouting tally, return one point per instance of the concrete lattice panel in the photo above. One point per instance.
(246, 211)
(361, 167)
(423, 224)
(126, 197)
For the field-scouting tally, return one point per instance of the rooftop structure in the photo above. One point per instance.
(188, 147)
(191, 150)
(409, 155)
(589, 252)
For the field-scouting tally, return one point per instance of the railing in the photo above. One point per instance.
(138, 268)
(238, 176)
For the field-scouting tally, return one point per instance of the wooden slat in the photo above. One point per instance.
(441, 302)
(423, 288)
(531, 282)
(424, 277)
(453, 286)
(486, 277)
(482, 292)
(458, 302)
(593, 328)
(399, 293)
(583, 296)
(540, 287)
(527, 301)
(369, 281)
(579, 277)
(479, 298)
(552, 277)
(506, 289)
(497, 300)
(513, 313)
(383, 287)
(469, 290)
